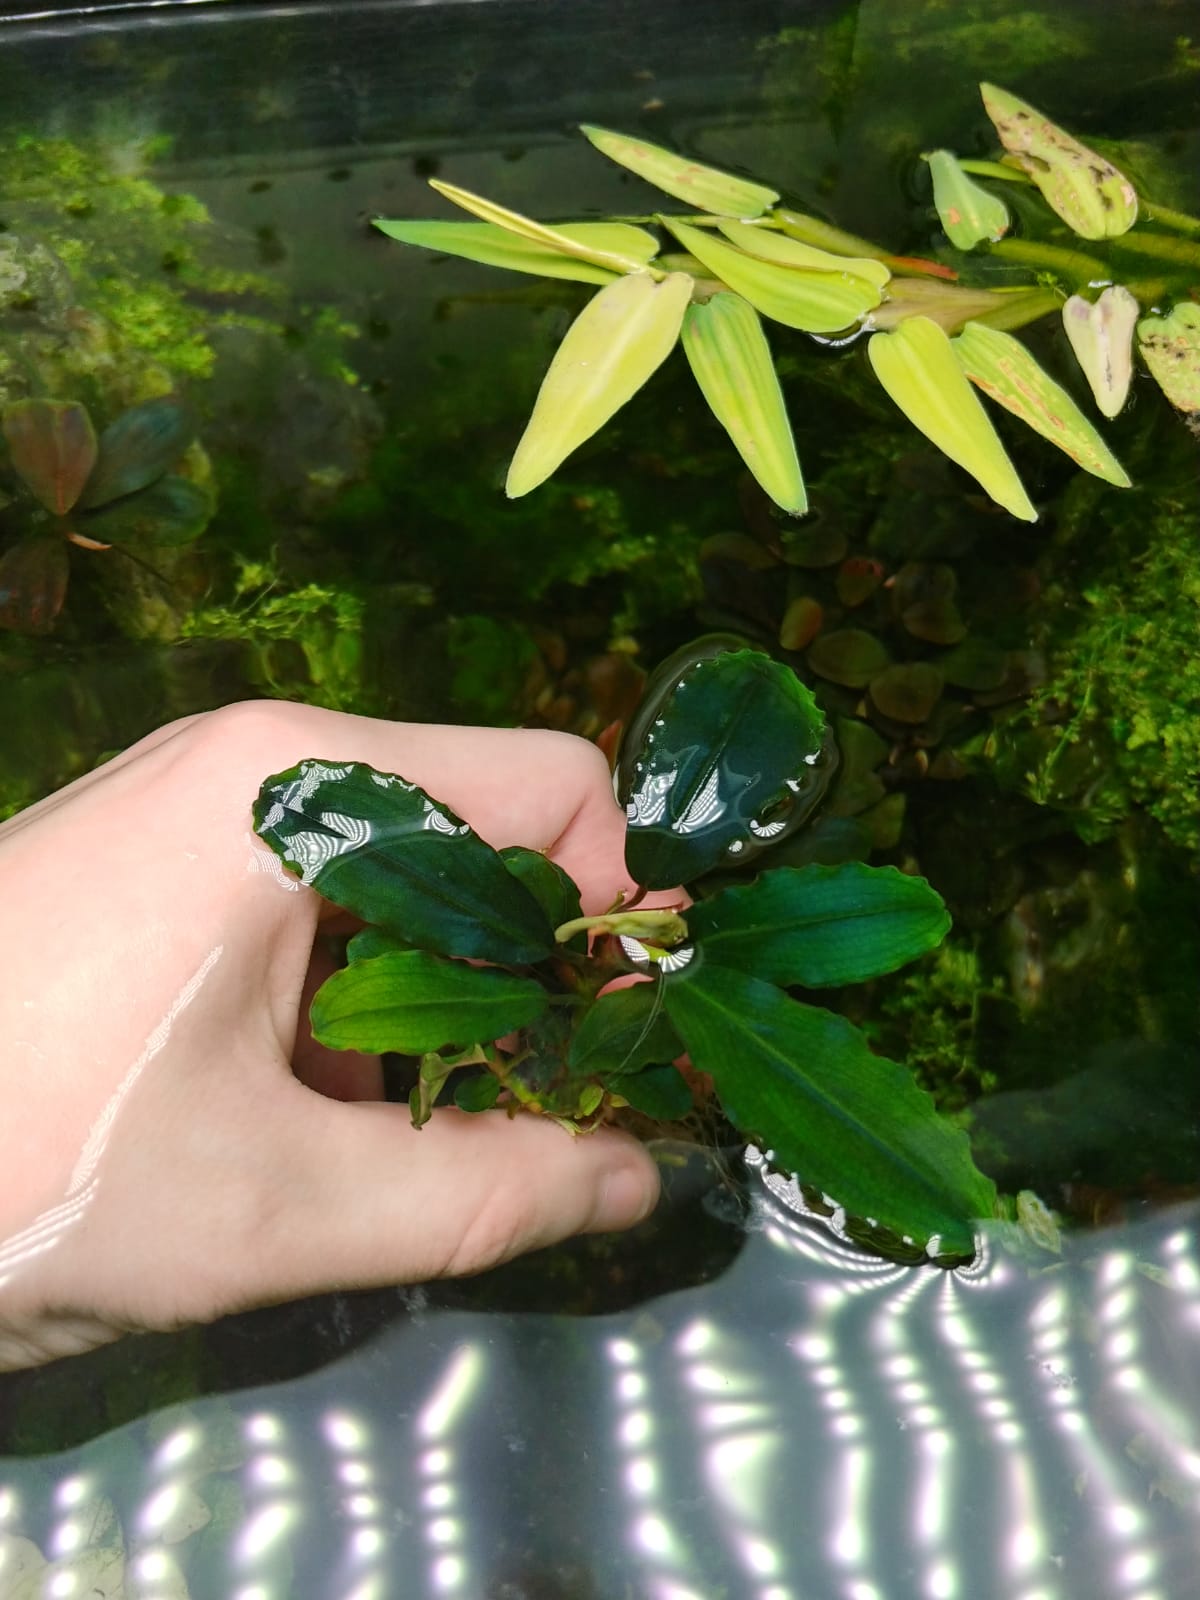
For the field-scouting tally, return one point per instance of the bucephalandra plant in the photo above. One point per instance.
(729, 753)
(743, 257)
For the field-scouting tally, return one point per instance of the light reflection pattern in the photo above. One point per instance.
(816, 1422)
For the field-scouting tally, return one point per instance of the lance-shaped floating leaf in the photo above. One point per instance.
(623, 335)
(772, 245)
(1004, 369)
(705, 188)
(967, 211)
(537, 233)
(53, 448)
(803, 1083)
(816, 302)
(1101, 335)
(917, 367)
(494, 246)
(1086, 191)
(1171, 347)
(728, 353)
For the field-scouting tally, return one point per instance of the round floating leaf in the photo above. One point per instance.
(617, 341)
(412, 1002)
(935, 621)
(1171, 347)
(384, 851)
(1002, 367)
(907, 692)
(857, 580)
(53, 449)
(922, 581)
(967, 211)
(803, 1083)
(171, 512)
(705, 188)
(622, 1031)
(659, 1092)
(975, 665)
(820, 925)
(537, 233)
(1086, 191)
(917, 367)
(818, 544)
(33, 584)
(817, 302)
(771, 245)
(801, 623)
(729, 356)
(136, 450)
(1101, 335)
(848, 656)
(494, 246)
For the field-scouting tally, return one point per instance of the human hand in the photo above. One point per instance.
(173, 1144)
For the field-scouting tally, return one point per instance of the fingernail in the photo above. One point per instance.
(627, 1195)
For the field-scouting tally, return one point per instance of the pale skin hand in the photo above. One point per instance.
(173, 1146)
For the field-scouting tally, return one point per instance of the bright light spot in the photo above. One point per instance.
(1124, 1519)
(1024, 1546)
(1129, 1378)
(715, 1415)
(1185, 1276)
(271, 1471)
(838, 1399)
(985, 1382)
(438, 1496)
(264, 1429)
(367, 1543)
(1122, 1345)
(444, 1530)
(152, 1566)
(459, 1383)
(1114, 1269)
(974, 1359)
(622, 1351)
(1139, 1566)
(653, 1536)
(449, 1572)
(641, 1476)
(435, 1463)
(926, 1416)
(761, 1558)
(1049, 1309)
(159, 1509)
(69, 1537)
(71, 1491)
(860, 1590)
(631, 1386)
(1117, 1306)
(635, 1429)
(362, 1505)
(709, 1380)
(344, 1432)
(828, 1296)
(354, 1472)
(846, 1427)
(1009, 1432)
(253, 1591)
(900, 1367)
(943, 1582)
(936, 1443)
(264, 1529)
(813, 1347)
(826, 1375)
(176, 1446)
(62, 1584)
(1071, 1422)
(8, 1504)
(913, 1391)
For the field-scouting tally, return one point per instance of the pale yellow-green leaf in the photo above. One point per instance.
(728, 353)
(1004, 369)
(1101, 335)
(1086, 191)
(967, 211)
(917, 367)
(950, 305)
(494, 246)
(1171, 348)
(537, 233)
(817, 302)
(704, 188)
(623, 334)
(772, 245)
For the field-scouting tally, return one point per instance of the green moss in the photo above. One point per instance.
(934, 1008)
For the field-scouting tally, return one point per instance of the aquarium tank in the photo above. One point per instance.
(800, 400)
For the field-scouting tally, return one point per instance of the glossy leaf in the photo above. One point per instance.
(384, 851)
(729, 356)
(736, 757)
(917, 367)
(1086, 191)
(619, 339)
(494, 246)
(537, 233)
(53, 448)
(411, 1001)
(550, 886)
(660, 1092)
(773, 245)
(170, 512)
(136, 450)
(1171, 348)
(1101, 335)
(705, 188)
(820, 925)
(802, 1082)
(1004, 369)
(623, 1031)
(33, 584)
(968, 212)
(817, 302)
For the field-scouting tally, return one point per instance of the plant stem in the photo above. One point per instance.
(1159, 247)
(1074, 264)
(1022, 309)
(1179, 220)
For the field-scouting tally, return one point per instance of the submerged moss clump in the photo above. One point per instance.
(935, 1009)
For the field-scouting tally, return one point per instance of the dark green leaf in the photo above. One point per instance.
(477, 1094)
(53, 448)
(659, 1092)
(803, 1083)
(736, 757)
(136, 450)
(413, 1002)
(546, 881)
(622, 1031)
(386, 852)
(371, 942)
(173, 511)
(33, 584)
(820, 925)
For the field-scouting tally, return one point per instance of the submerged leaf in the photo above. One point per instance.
(622, 1031)
(1171, 347)
(729, 355)
(622, 336)
(1086, 191)
(494, 246)
(819, 925)
(384, 851)
(705, 188)
(1101, 335)
(33, 584)
(53, 449)
(1004, 369)
(553, 889)
(917, 367)
(537, 233)
(660, 1092)
(136, 450)
(967, 211)
(171, 512)
(816, 302)
(802, 1082)
(849, 656)
(773, 245)
(907, 691)
(411, 1001)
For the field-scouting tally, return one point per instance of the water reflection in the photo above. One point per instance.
(815, 1422)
